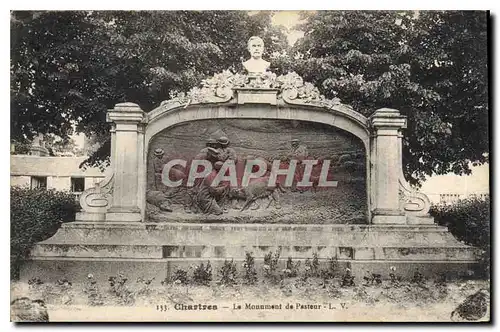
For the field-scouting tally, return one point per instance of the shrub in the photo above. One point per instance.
(180, 277)
(250, 276)
(347, 279)
(35, 215)
(469, 221)
(395, 279)
(312, 267)
(227, 273)
(291, 269)
(35, 282)
(331, 271)
(118, 287)
(372, 279)
(202, 274)
(418, 278)
(144, 286)
(91, 288)
(271, 265)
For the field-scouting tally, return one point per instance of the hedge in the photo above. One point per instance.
(35, 215)
(469, 221)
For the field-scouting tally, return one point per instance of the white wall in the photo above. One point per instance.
(58, 171)
(22, 181)
(59, 182)
(91, 181)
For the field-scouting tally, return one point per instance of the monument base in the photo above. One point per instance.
(156, 250)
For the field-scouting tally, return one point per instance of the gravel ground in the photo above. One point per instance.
(312, 300)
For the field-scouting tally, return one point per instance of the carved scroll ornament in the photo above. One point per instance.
(413, 202)
(220, 87)
(98, 199)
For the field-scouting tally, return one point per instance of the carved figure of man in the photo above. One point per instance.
(256, 64)
(212, 155)
(298, 151)
(210, 152)
(225, 152)
(211, 143)
(158, 162)
(209, 199)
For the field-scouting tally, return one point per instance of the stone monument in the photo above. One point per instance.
(158, 210)
(38, 147)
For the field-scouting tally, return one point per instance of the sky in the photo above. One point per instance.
(288, 19)
(476, 183)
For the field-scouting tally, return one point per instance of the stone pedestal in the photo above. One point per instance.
(38, 147)
(156, 250)
(126, 156)
(37, 150)
(387, 163)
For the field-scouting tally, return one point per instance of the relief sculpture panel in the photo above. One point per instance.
(235, 171)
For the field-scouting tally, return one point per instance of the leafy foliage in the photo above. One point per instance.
(91, 289)
(312, 268)
(145, 288)
(69, 67)
(347, 279)
(180, 276)
(118, 287)
(20, 147)
(228, 273)
(291, 268)
(430, 65)
(35, 215)
(271, 265)
(58, 146)
(202, 274)
(332, 268)
(469, 221)
(250, 275)
(372, 279)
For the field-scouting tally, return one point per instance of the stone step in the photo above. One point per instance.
(77, 269)
(251, 234)
(238, 252)
(81, 247)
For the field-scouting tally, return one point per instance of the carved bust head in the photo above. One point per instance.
(255, 46)
(256, 64)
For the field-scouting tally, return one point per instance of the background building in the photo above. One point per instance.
(450, 188)
(60, 173)
(39, 170)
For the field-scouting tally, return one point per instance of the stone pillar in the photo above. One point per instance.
(387, 165)
(126, 158)
(142, 178)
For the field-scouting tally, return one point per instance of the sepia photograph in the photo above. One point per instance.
(250, 166)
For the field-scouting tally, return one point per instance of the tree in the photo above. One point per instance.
(58, 146)
(69, 67)
(430, 65)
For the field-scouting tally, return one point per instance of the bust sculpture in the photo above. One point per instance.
(256, 64)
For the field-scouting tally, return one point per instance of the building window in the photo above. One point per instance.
(38, 182)
(77, 185)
